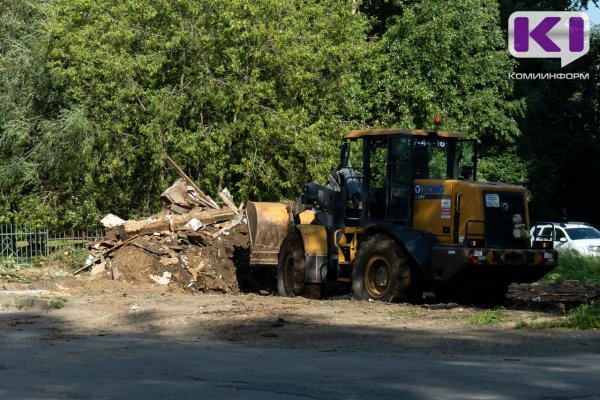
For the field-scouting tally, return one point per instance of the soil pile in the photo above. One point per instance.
(171, 259)
(193, 243)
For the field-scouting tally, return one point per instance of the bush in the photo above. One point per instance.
(586, 316)
(57, 303)
(69, 258)
(10, 271)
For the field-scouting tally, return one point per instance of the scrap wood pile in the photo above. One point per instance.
(566, 292)
(187, 243)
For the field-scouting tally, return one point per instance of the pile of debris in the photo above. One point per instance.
(569, 292)
(182, 244)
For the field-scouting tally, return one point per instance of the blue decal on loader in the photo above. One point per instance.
(429, 191)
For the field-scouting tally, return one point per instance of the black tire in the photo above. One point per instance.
(291, 268)
(383, 272)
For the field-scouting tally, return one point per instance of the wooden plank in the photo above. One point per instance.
(146, 226)
(228, 201)
(206, 217)
(196, 199)
(176, 193)
(179, 194)
(231, 224)
(183, 175)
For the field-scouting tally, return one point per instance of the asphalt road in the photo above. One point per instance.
(36, 365)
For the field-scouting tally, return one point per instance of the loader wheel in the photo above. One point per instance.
(290, 270)
(382, 271)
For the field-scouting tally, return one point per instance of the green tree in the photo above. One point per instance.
(41, 144)
(251, 95)
(561, 139)
(450, 58)
(560, 126)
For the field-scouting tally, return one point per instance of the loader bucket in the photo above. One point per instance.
(268, 224)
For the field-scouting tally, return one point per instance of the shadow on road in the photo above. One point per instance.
(145, 354)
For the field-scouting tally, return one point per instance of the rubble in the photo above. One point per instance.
(182, 245)
(110, 221)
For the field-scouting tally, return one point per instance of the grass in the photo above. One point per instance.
(10, 271)
(65, 261)
(586, 316)
(489, 317)
(57, 303)
(402, 314)
(575, 266)
(69, 257)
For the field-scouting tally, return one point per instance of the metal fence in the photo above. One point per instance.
(21, 244)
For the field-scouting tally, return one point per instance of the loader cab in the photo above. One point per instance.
(380, 168)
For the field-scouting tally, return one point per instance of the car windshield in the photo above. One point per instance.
(583, 233)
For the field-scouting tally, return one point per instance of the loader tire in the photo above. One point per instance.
(291, 269)
(383, 272)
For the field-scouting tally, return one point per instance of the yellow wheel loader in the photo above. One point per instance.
(402, 213)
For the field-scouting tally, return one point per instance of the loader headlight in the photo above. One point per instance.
(517, 219)
(519, 228)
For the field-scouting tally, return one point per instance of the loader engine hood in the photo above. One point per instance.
(486, 211)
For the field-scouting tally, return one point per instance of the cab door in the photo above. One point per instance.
(399, 189)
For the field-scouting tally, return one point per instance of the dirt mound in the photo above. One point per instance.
(169, 259)
(193, 242)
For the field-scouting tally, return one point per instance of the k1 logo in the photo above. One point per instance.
(545, 34)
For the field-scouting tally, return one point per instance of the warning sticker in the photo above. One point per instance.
(445, 208)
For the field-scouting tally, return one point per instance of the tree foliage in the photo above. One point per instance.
(561, 141)
(254, 95)
(249, 94)
(42, 146)
(559, 144)
(449, 58)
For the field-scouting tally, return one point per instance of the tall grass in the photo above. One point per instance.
(574, 266)
(586, 316)
(585, 269)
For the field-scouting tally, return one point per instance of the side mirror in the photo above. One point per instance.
(562, 239)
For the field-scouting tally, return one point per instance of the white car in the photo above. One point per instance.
(578, 236)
